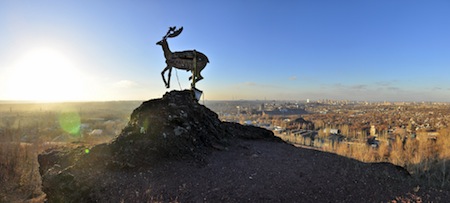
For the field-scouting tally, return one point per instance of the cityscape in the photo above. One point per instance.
(353, 120)
(414, 135)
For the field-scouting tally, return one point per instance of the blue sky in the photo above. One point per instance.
(296, 50)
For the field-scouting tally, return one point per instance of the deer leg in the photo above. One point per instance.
(195, 74)
(199, 77)
(190, 77)
(170, 74)
(162, 74)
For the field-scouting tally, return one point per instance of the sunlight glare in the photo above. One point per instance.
(44, 74)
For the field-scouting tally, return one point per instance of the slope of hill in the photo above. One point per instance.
(174, 149)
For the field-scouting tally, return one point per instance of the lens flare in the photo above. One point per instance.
(70, 122)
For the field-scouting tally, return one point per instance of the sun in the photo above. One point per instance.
(44, 74)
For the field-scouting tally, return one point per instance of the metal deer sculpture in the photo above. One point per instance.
(190, 60)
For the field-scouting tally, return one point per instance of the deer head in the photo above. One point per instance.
(171, 33)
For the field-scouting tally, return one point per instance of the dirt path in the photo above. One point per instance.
(262, 171)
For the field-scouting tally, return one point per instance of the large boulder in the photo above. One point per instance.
(174, 126)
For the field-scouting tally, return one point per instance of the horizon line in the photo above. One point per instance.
(217, 100)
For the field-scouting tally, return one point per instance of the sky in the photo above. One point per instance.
(284, 50)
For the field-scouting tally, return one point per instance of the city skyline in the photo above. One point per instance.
(293, 50)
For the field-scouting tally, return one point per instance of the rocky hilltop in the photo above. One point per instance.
(176, 150)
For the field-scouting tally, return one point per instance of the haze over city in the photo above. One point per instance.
(293, 50)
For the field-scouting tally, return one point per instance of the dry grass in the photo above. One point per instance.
(20, 179)
(19, 173)
(426, 159)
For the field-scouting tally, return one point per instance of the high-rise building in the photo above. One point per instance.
(373, 131)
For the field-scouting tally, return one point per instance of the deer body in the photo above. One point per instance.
(183, 60)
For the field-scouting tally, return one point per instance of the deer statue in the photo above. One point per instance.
(190, 60)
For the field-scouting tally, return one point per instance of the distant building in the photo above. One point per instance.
(373, 131)
(285, 112)
(428, 136)
(373, 142)
(334, 131)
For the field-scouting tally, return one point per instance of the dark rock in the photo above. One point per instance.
(175, 127)
(250, 132)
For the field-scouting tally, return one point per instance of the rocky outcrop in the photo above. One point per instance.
(174, 127)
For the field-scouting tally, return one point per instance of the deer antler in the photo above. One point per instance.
(172, 32)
